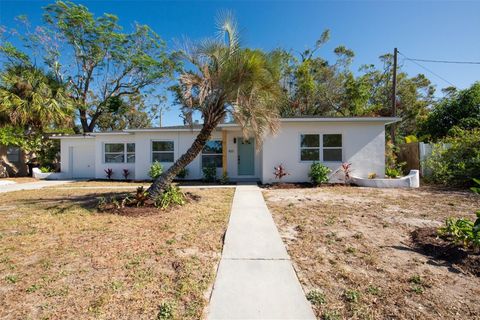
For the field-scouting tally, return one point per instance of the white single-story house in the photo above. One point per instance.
(298, 143)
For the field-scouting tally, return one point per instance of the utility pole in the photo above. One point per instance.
(394, 94)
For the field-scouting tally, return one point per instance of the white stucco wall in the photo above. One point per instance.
(181, 140)
(363, 145)
(80, 152)
(101, 166)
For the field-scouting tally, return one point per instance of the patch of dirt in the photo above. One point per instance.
(413, 222)
(353, 247)
(427, 240)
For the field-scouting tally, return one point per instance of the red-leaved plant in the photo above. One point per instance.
(126, 173)
(346, 169)
(280, 172)
(109, 173)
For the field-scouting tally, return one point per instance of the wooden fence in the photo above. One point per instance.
(414, 154)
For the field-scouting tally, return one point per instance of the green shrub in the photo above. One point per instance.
(393, 172)
(183, 173)
(318, 173)
(410, 139)
(224, 179)
(210, 173)
(462, 231)
(156, 169)
(171, 196)
(393, 168)
(455, 160)
(46, 169)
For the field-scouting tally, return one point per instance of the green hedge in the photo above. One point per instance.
(455, 160)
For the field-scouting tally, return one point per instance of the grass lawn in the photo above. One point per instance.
(59, 258)
(352, 250)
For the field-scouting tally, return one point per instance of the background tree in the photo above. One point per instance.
(32, 99)
(312, 85)
(415, 95)
(225, 79)
(459, 109)
(130, 112)
(100, 64)
(32, 104)
(315, 86)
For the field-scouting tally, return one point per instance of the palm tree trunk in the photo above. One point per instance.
(162, 182)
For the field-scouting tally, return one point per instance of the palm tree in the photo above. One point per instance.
(225, 79)
(31, 99)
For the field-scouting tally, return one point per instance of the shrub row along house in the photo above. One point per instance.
(298, 143)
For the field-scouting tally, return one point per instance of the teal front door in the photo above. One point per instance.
(246, 157)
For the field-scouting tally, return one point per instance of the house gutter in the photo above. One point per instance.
(386, 120)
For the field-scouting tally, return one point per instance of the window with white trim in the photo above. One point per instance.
(162, 151)
(212, 154)
(119, 152)
(130, 152)
(332, 147)
(13, 154)
(310, 147)
(325, 148)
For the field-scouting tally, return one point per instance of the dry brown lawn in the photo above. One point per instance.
(61, 259)
(352, 250)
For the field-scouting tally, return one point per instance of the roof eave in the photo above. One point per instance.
(385, 120)
(72, 137)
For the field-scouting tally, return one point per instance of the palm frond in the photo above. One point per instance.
(224, 78)
(228, 30)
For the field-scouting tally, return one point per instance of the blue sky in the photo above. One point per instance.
(447, 30)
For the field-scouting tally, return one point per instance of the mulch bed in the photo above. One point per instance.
(429, 243)
(147, 209)
(183, 182)
(298, 185)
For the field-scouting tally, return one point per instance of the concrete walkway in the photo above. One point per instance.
(255, 278)
(32, 185)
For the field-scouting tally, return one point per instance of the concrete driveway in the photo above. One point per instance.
(32, 185)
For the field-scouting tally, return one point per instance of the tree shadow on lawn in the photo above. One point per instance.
(432, 259)
(443, 253)
(61, 205)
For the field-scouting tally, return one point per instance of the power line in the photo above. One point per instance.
(444, 61)
(427, 69)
